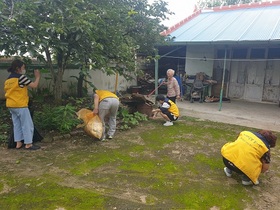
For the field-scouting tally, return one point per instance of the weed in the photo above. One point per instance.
(61, 118)
(128, 120)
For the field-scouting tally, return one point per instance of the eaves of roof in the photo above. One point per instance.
(247, 23)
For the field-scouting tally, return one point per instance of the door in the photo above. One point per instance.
(254, 81)
(271, 81)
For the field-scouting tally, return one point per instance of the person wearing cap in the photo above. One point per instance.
(106, 104)
(248, 155)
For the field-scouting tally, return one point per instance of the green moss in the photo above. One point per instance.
(1, 186)
(206, 196)
(206, 161)
(151, 166)
(177, 167)
(38, 194)
(86, 163)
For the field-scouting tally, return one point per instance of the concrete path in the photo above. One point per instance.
(237, 112)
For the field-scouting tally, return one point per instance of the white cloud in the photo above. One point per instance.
(181, 8)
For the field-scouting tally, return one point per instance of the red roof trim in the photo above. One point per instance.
(219, 9)
(178, 25)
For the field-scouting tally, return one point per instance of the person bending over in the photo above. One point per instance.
(106, 104)
(248, 155)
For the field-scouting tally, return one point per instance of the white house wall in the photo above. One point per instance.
(98, 78)
(237, 80)
(252, 80)
(199, 59)
(272, 81)
(255, 80)
(101, 81)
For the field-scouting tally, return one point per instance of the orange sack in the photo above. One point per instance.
(92, 123)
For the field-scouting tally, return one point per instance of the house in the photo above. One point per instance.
(238, 46)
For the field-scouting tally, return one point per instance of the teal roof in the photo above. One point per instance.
(257, 22)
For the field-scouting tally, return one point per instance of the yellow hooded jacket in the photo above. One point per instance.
(105, 94)
(16, 96)
(173, 108)
(245, 153)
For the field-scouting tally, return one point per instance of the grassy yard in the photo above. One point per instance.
(148, 167)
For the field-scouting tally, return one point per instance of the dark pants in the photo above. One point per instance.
(232, 167)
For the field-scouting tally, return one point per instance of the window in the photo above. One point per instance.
(221, 54)
(239, 53)
(257, 53)
(273, 53)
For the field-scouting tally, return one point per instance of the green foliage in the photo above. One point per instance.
(82, 79)
(40, 94)
(64, 119)
(79, 103)
(3, 138)
(104, 35)
(128, 120)
(4, 126)
(61, 118)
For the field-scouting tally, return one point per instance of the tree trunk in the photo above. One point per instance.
(58, 86)
(80, 86)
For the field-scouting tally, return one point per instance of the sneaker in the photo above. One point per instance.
(247, 183)
(168, 123)
(110, 137)
(228, 172)
(103, 139)
(33, 147)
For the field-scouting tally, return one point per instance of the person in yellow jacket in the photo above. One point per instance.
(168, 110)
(16, 94)
(106, 104)
(248, 155)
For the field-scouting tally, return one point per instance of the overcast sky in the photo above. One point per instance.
(181, 8)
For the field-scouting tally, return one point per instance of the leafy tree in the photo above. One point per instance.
(101, 34)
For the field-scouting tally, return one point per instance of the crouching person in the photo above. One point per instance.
(167, 109)
(249, 155)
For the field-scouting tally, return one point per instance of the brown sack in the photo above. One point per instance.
(92, 123)
(94, 127)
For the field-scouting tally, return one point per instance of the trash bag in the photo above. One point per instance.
(92, 124)
(11, 141)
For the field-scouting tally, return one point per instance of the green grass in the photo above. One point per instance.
(47, 194)
(149, 167)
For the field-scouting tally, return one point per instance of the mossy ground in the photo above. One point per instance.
(148, 167)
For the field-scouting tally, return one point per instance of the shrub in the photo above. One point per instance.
(128, 120)
(61, 118)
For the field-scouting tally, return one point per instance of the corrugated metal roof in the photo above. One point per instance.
(259, 22)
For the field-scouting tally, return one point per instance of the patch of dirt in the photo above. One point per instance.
(56, 150)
